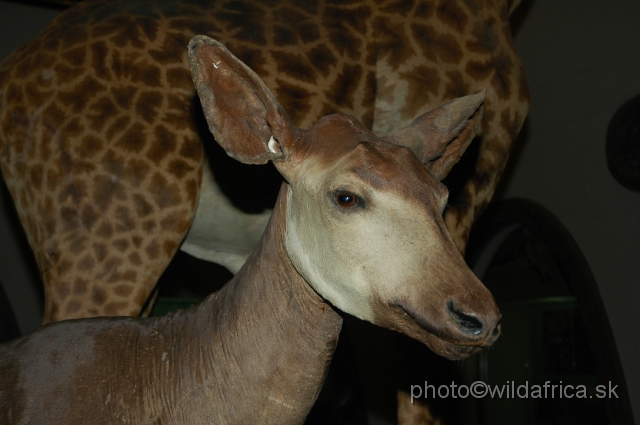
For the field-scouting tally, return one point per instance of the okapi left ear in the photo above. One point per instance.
(241, 111)
(440, 136)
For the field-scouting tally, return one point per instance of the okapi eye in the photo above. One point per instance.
(346, 199)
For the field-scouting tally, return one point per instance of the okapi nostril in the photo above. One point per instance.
(497, 329)
(467, 322)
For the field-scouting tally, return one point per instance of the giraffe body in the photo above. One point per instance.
(103, 156)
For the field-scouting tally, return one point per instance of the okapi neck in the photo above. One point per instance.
(274, 335)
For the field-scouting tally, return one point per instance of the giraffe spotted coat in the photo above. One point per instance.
(101, 152)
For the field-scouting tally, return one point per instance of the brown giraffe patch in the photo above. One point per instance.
(121, 244)
(436, 45)
(120, 32)
(178, 121)
(164, 194)
(423, 85)
(191, 149)
(77, 103)
(100, 251)
(485, 40)
(123, 290)
(322, 59)
(179, 168)
(104, 190)
(98, 296)
(142, 207)
(63, 267)
(456, 86)
(248, 30)
(89, 216)
(44, 60)
(283, 36)
(14, 95)
(153, 249)
(69, 219)
(36, 175)
(294, 66)
(147, 106)
(119, 125)
(99, 54)
(80, 285)
(172, 48)
(174, 223)
(149, 226)
(141, 297)
(293, 99)
(149, 27)
(169, 248)
(165, 144)
(77, 244)
(135, 259)
(510, 124)
(74, 127)
(114, 307)
(124, 221)
(85, 264)
(75, 56)
(53, 117)
(105, 230)
(89, 147)
(135, 171)
(499, 68)
(34, 94)
(66, 74)
(74, 192)
(145, 73)
(137, 241)
(403, 8)
(100, 112)
(73, 306)
(392, 36)
(132, 140)
(179, 78)
(123, 95)
(343, 89)
(452, 15)
(192, 188)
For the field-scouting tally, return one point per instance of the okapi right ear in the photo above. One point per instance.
(440, 136)
(241, 111)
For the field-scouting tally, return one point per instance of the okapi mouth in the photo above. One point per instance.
(440, 339)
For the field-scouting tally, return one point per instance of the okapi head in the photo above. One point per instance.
(364, 223)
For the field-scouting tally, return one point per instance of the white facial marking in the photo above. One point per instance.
(358, 258)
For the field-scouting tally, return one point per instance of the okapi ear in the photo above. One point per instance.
(241, 111)
(440, 136)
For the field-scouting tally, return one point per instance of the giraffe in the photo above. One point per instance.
(104, 159)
